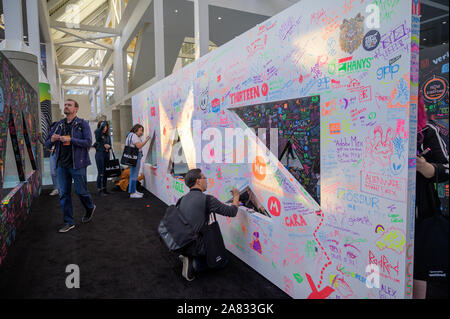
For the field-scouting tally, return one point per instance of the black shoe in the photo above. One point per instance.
(188, 268)
(87, 218)
(66, 228)
(106, 192)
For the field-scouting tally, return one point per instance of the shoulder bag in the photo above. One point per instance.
(216, 253)
(130, 154)
(112, 166)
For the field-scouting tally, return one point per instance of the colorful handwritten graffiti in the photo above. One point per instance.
(393, 239)
(340, 95)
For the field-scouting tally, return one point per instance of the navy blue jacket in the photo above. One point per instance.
(81, 141)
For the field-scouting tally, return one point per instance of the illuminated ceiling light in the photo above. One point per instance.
(176, 10)
(219, 18)
(444, 22)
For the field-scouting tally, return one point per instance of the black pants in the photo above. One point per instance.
(437, 290)
(100, 159)
(197, 251)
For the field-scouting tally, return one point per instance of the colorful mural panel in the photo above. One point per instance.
(359, 73)
(19, 120)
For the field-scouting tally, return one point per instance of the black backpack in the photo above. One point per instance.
(175, 230)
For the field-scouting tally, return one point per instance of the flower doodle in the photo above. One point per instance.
(379, 147)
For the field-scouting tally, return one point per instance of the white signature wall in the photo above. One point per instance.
(366, 78)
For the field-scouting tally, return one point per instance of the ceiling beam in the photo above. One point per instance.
(52, 4)
(79, 44)
(434, 19)
(126, 15)
(80, 73)
(77, 86)
(80, 67)
(82, 37)
(131, 26)
(83, 27)
(434, 5)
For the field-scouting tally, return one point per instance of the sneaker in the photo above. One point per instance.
(66, 228)
(139, 193)
(87, 218)
(54, 192)
(136, 195)
(188, 269)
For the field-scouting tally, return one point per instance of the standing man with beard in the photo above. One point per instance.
(72, 139)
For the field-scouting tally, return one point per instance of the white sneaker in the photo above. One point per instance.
(54, 192)
(139, 193)
(136, 195)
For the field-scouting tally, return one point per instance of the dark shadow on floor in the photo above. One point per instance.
(119, 254)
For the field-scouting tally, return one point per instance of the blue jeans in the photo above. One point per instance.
(134, 173)
(65, 176)
(53, 160)
(100, 158)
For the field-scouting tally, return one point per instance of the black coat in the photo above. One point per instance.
(427, 200)
(431, 250)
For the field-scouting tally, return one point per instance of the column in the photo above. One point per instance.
(12, 13)
(160, 71)
(115, 125)
(51, 73)
(201, 28)
(126, 121)
(34, 44)
(34, 39)
(120, 71)
(102, 91)
(94, 104)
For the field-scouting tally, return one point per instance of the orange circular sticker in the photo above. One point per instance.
(434, 89)
(259, 168)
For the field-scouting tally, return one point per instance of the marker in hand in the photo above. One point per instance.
(424, 152)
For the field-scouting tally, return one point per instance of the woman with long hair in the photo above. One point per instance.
(102, 146)
(134, 139)
(431, 226)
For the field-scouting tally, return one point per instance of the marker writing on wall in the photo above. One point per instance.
(424, 152)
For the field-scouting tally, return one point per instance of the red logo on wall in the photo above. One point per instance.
(264, 89)
(153, 111)
(215, 102)
(274, 206)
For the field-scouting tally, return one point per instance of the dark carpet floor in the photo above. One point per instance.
(119, 255)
